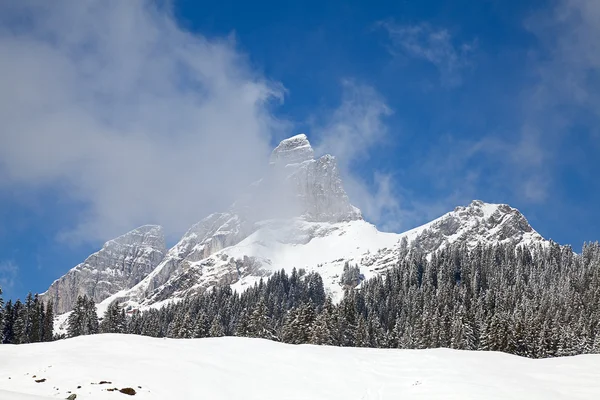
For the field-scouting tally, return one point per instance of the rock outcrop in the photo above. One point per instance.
(120, 264)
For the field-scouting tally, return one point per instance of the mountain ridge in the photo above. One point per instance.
(298, 216)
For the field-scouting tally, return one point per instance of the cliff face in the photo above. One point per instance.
(120, 264)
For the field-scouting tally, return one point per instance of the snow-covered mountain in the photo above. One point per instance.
(298, 216)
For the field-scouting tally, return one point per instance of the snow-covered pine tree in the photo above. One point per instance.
(19, 323)
(114, 320)
(76, 318)
(361, 334)
(83, 320)
(259, 323)
(201, 327)
(7, 334)
(216, 327)
(91, 317)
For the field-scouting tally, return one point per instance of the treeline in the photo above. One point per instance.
(541, 301)
(534, 302)
(28, 322)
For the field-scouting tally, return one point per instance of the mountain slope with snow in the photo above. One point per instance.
(299, 216)
(243, 368)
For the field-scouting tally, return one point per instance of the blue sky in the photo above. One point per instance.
(427, 105)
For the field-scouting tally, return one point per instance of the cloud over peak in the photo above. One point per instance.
(135, 116)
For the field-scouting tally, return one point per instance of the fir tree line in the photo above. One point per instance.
(28, 322)
(534, 302)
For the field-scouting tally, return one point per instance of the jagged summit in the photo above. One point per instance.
(295, 149)
(478, 222)
(298, 185)
(148, 234)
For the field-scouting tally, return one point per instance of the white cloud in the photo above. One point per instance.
(134, 118)
(434, 45)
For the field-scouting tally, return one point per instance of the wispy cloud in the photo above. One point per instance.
(134, 118)
(431, 44)
(563, 103)
(351, 132)
(8, 274)
(558, 104)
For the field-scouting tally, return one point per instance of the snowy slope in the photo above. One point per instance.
(325, 247)
(243, 368)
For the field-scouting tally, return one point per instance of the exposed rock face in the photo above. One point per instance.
(292, 151)
(120, 264)
(478, 222)
(300, 185)
(318, 186)
(208, 236)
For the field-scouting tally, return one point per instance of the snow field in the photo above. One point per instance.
(253, 369)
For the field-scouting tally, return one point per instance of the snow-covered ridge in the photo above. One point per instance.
(478, 222)
(292, 151)
(252, 369)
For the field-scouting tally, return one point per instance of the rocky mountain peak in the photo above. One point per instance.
(293, 150)
(150, 235)
(120, 264)
(474, 223)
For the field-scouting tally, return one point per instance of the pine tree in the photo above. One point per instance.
(361, 336)
(201, 328)
(216, 328)
(76, 319)
(7, 334)
(114, 319)
(1, 316)
(324, 328)
(48, 323)
(187, 327)
(19, 323)
(37, 319)
(28, 318)
(289, 330)
(91, 317)
(83, 320)
(259, 324)
(321, 332)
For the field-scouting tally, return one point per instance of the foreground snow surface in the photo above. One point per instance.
(242, 368)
